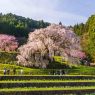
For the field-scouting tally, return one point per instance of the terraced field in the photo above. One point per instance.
(47, 85)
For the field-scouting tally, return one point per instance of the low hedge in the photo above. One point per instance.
(46, 84)
(54, 92)
(45, 77)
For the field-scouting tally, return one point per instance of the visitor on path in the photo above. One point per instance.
(8, 71)
(14, 71)
(21, 71)
(53, 72)
(5, 70)
(60, 72)
(63, 72)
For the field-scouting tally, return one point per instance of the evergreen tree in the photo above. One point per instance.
(79, 29)
(60, 23)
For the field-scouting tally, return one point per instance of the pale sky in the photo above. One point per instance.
(69, 12)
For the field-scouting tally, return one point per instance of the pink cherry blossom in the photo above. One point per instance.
(77, 53)
(43, 44)
(8, 43)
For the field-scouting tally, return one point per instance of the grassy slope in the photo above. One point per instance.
(79, 70)
(26, 70)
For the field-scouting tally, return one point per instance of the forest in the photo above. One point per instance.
(19, 26)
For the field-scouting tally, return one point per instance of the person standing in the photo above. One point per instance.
(60, 72)
(5, 71)
(63, 72)
(8, 71)
(21, 71)
(14, 71)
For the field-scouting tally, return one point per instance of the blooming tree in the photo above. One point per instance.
(77, 53)
(8, 43)
(43, 44)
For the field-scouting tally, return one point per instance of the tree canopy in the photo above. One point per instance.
(8, 43)
(19, 26)
(79, 29)
(89, 37)
(44, 44)
(87, 34)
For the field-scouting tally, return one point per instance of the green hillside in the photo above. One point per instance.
(19, 26)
